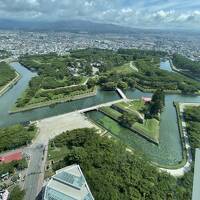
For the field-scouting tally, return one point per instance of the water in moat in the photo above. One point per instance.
(168, 152)
(165, 65)
(8, 100)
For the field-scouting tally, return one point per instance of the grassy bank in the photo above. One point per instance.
(151, 90)
(89, 93)
(9, 85)
(149, 129)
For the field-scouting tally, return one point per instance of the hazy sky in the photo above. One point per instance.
(143, 13)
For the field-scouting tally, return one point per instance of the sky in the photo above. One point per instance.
(134, 13)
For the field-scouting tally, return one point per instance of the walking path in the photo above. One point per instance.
(69, 86)
(133, 66)
(10, 84)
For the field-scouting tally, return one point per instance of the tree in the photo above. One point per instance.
(157, 102)
(109, 86)
(122, 85)
(17, 194)
(91, 83)
(128, 119)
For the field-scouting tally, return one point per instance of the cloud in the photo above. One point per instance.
(149, 13)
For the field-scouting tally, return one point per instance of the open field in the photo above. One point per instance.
(124, 69)
(110, 112)
(150, 127)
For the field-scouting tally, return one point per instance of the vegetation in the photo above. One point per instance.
(13, 166)
(7, 74)
(192, 117)
(157, 102)
(16, 136)
(17, 194)
(110, 112)
(113, 173)
(61, 77)
(148, 75)
(131, 115)
(58, 77)
(188, 67)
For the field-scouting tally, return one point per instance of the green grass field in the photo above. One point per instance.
(124, 69)
(134, 107)
(150, 127)
(110, 112)
(56, 154)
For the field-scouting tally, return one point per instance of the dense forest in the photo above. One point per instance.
(15, 136)
(113, 173)
(6, 74)
(188, 67)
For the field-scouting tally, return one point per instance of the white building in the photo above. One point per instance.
(68, 184)
(196, 181)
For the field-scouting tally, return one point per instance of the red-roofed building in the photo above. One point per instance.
(9, 157)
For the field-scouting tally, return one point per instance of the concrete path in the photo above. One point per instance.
(133, 66)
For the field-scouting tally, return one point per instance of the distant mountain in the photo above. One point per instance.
(69, 25)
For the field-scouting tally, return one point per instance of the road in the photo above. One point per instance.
(35, 171)
(47, 129)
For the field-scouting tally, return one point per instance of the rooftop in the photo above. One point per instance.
(9, 157)
(196, 181)
(68, 184)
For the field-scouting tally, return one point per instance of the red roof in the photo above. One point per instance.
(146, 99)
(11, 157)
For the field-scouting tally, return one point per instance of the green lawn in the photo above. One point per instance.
(124, 69)
(150, 127)
(110, 112)
(137, 105)
(56, 154)
(134, 107)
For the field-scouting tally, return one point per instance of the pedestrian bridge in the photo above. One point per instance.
(99, 106)
(121, 93)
